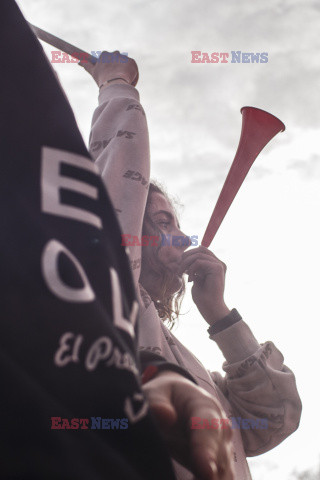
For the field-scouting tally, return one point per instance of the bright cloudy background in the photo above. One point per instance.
(270, 238)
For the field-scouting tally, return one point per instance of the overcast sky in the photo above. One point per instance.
(270, 238)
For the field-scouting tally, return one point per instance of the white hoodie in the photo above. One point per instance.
(257, 385)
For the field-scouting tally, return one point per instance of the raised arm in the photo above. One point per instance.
(260, 388)
(119, 144)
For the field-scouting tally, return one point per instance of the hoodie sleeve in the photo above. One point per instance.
(260, 388)
(119, 144)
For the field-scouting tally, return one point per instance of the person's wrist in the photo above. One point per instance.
(219, 313)
(113, 81)
(165, 369)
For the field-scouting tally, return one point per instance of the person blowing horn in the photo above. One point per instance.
(257, 386)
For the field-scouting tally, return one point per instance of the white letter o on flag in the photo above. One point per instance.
(49, 267)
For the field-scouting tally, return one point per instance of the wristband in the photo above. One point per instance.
(111, 80)
(226, 322)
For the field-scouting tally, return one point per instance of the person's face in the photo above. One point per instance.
(169, 255)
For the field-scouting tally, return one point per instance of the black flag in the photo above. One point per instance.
(68, 309)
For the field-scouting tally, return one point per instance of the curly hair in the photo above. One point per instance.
(167, 304)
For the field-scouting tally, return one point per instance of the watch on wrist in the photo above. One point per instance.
(226, 322)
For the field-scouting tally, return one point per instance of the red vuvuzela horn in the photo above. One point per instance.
(258, 128)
